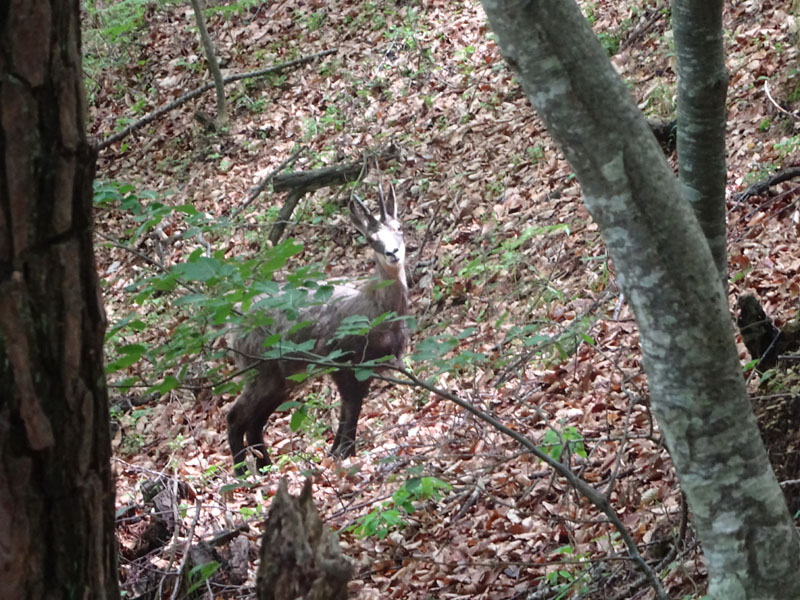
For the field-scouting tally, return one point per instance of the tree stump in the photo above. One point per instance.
(300, 557)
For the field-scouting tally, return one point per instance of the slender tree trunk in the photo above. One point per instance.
(702, 87)
(56, 486)
(667, 271)
(208, 47)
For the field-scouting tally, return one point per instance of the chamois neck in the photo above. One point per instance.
(394, 272)
(390, 287)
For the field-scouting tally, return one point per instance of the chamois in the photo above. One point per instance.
(271, 386)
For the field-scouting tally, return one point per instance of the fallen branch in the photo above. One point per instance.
(147, 119)
(642, 28)
(586, 490)
(762, 186)
(319, 178)
(279, 226)
(301, 182)
(256, 191)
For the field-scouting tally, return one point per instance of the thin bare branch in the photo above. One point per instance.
(112, 139)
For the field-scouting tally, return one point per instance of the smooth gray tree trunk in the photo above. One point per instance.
(667, 271)
(702, 87)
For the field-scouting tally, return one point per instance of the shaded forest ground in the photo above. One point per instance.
(502, 255)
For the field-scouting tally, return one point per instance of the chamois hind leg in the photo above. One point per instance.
(352, 392)
(249, 415)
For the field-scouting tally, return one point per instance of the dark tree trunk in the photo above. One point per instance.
(56, 487)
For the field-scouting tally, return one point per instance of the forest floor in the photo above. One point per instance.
(507, 270)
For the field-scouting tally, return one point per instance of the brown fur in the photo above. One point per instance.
(270, 387)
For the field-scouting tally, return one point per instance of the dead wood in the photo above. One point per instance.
(285, 214)
(762, 186)
(255, 192)
(300, 556)
(642, 28)
(318, 178)
(299, 183)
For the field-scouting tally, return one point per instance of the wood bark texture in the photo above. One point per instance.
(300, 556)
(56, 486)
(667, 271)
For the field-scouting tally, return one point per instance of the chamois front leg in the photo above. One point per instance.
(352, 392)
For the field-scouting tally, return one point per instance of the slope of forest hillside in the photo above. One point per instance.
(516, 306)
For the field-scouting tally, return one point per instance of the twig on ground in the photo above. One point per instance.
(586, 490)
(185, 558)
(595, 497)
(145, 258)
(112, 139)
(256, 191)
(642, 28)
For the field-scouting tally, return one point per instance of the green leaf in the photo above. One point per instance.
(392, 517)
(299, 417)
(201, 269)
(200, 574)
(299, 377)
(363, 374)
(278, 256)
(552, 444)
(228, 488)
(130, 355)
(187, 209)
(170, 383)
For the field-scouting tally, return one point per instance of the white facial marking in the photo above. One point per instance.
(388, 243)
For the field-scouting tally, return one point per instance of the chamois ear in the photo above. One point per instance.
(360, 215)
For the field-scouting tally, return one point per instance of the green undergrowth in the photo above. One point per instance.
(167, 337)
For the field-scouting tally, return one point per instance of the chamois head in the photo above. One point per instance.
(383, 234)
